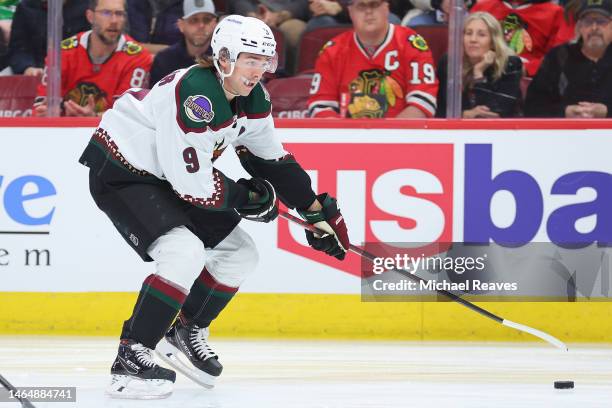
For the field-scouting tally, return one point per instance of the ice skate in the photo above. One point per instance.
(134, 374)
(185, 348)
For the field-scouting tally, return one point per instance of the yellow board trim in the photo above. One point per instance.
(314, 316)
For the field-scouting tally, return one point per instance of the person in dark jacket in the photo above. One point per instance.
(197, 24)
(153, 22)
(491, 74)
(28, 42)
(575, 79)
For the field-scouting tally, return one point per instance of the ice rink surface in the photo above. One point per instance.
(326, 374)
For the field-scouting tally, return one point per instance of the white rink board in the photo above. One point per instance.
(87, 254)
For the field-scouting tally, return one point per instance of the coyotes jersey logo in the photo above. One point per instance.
(372, 93)
(515, 33)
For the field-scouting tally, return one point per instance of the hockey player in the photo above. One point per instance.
(152, 172)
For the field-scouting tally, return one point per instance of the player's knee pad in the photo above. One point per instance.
(233, 266)
(180, 256)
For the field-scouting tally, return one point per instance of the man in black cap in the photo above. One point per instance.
(197, 25)
(575, 79)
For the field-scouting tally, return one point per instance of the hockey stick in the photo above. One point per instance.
(521, 327)
(24, 401)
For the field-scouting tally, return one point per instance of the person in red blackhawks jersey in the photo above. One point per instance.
(152, 171)
(376, 70)
(530, 27)
(98, 65)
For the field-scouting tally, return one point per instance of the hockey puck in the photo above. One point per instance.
(564, 385)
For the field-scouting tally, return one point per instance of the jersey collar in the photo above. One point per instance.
(381, 47)
(85, 40)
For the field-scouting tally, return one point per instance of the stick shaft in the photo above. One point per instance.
(483, 312)
(6, 384)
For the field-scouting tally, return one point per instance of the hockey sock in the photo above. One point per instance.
(158, 303)
(206, 299)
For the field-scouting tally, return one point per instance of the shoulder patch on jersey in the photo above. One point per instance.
(200, 101)
(418, 42)
(132, 48)
(199, 108)
(70, 43)
(325, 46)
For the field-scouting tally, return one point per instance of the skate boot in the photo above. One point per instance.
(135, 375)
(185, 348)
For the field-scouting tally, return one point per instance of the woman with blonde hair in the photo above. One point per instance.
(491, 72)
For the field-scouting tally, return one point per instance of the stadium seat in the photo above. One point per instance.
(17, 93)
(311, 43)
(290, 96)
(436, 37)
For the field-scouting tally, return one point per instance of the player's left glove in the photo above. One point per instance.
(335, 241)
(264, 208)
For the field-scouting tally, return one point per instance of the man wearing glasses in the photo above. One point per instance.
(197, 25)
(376, 70)
(98, 65)
(575, 79)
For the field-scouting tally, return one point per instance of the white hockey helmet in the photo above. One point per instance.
(236, 34)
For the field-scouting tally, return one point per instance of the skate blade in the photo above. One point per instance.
(126, 387)
(171, 355)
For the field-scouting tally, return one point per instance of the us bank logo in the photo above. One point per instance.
(28, 206)
(417, 193)
(386, 192)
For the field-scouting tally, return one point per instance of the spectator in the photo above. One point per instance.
(567, 28)
(153, 22)
(575, 79)
(329, 13)
(7, 9)
(28, 42)
(376, 70)
(427, 12)
(491, 73)
(100, 64)
(530, 27)
(289, 17)
(197, 25)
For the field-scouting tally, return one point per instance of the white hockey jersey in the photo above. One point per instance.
(176, 130)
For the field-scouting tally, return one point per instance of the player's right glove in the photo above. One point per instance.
(335, 241)
(261, 207)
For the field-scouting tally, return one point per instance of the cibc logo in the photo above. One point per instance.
(26, 203)
(386, 192)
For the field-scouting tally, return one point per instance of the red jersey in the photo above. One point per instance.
(348, 82)
(530, 29)
(128, 67)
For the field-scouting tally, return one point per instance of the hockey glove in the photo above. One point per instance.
(335, 241)
(264, 208)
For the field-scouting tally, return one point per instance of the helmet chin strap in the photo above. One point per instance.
(223, 75)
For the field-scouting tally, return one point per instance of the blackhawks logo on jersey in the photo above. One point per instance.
(418, 42)
(70, 43)
(516, 35)
(132, 48)
(81, 92)
(372, 93)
